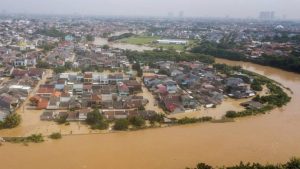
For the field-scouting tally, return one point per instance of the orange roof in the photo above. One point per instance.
(56, 93)
(35, 97)
(42, 104)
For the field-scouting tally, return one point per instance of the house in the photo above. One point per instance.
(176, 72)
(87, 87)
(74, 104)
(123, 89)
(53, 103)
(88, 77)
(133, 86)
(172, 103)
(171, 86)
(19, 73)
(82, 114)
(60, 84)
(45, 91)
(119, 113)
(188, 101)
(253, 105)
(22, 91)
(20, 62)
(36, 72)
(78, 89)
(48, 115)
(65, 97)
(8, 105)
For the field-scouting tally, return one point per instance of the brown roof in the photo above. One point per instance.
(46, 90)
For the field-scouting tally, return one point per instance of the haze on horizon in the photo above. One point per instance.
(190, 8)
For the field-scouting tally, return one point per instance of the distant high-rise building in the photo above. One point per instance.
(170, 15)
(267, 15)
(181, 14)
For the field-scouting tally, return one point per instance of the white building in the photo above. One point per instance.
(172, 41)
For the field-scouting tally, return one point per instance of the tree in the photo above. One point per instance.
(121, 124)
(256, 85)
(137, 67)
(105, 47)
(59, 69)
(204, 166)
(94, 117)
(96, 120)
(294, 163)
(159, 118)
(89, 38)
(11, 121)
(137, 121)
(42, 64)
(62, 119)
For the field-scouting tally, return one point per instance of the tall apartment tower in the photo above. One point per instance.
(267, 15)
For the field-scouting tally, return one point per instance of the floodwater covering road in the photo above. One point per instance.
(270, 138)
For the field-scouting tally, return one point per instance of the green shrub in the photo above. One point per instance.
(121, 124)
(11, 121)
(55, 136)
(35, 138)
(137, 121)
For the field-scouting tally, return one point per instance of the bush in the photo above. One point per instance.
(121, 124)
(101, 125)
(35, 138)
(11, 121)
(231, 114)
(62, 119)
(291, 164)
(1, 124)
(159, 118)
(55, 136)
(187, 120)
(137, 121)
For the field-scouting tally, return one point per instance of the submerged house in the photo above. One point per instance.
(8, 104)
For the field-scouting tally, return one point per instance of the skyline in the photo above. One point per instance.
(155, 8)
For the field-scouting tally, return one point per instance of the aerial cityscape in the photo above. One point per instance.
(85, 82)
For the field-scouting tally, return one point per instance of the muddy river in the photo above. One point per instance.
(273, 138)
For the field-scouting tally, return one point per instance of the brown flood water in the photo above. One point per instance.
(271, 138)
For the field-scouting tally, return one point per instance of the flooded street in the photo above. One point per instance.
(271, 138)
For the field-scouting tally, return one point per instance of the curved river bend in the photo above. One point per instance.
(272, 138)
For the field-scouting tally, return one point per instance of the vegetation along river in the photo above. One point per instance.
(270, 138)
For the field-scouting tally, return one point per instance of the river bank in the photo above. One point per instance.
(271, 138)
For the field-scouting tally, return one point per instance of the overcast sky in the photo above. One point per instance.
(194, 8)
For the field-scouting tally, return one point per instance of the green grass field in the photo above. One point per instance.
(140, 40)
(148, 40)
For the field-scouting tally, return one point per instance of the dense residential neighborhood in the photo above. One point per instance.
(68, 71)
(149, 84)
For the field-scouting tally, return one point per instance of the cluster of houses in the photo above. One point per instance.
(97, 57)
(115, 94)
(15, 87)
(188, 85)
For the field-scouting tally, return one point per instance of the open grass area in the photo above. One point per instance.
(140, 40)
(170, 46)
(148, 40)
